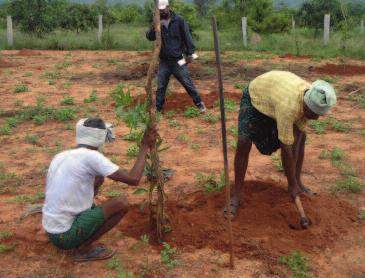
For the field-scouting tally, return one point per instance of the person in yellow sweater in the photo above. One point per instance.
(274, 111)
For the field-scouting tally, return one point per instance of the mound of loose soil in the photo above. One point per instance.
(261, 228)
(28, 52)
(346, 70)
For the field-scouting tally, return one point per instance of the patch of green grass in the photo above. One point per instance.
(121, 96)
(210, 182)
(5, 235)
(192, 112)
(63, 65)
(27, 199)
(175, 124)
(337, 154)
(4, 248)
(21, 88)
(115, 264)
(362, 132)
(113, 194)
(8, 180)
(113, 62)
(134, 136)
(28, 74)
(349, 185)
(67, 100)
(233, 130)
(195, 146)
(52, 75)
(184, 138)
(31, 139)
(342, 126)
(170, 114)
(328, 78)
(211, 118)
(39, 119)
(239, 85)
(324, 154)
(67, 85)
(64, 114)
(133, 150)
(359, 99)
(92, 97)
(51, 82)
(69, 126)
(229, 105)
(319, 126)
(361, 215)
(167, 256)
(297, 263)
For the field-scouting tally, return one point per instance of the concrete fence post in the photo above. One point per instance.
(9, 31)
(100, 29)
(327, 24)
(244, 31)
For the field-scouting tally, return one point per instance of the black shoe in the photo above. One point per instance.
(202, 107)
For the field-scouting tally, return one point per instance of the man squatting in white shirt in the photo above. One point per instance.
(70, 218)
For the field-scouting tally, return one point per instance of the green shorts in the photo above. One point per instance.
(84, 226)
(261, 129)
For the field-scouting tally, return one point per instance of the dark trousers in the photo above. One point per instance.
(181, 73)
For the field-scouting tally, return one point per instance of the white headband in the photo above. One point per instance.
(94, 137)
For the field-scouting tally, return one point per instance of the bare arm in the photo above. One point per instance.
(134, 176)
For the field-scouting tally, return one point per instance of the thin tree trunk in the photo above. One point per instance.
(156, 168)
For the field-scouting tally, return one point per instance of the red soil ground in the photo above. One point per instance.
(344, 70)
(261, 227)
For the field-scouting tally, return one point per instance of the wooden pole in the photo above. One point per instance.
(9, 31)
(224, 136)
(244, 31)
(327, 24)
(151, 107)
(362, 27)
(100, 29)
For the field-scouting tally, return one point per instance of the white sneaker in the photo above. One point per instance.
(202, 107)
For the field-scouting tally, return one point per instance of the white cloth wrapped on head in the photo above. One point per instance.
(91, 136)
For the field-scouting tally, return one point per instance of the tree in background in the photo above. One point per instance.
(311, 14)
(79, 17)
(203, 6)
(37, 16)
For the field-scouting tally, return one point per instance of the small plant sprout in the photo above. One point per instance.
(210, 182)
(297, 263)
(349, 185)
(21, 88)
(92, 97)
(67, 100)
(121, 96)
(211, 118)
(5, 235)
(31, 139)
(113, 194)
(167, 256)
(319, 126)
(192, 112)
(175, 124)
(361, 215)
(132, 150)
(4, 248)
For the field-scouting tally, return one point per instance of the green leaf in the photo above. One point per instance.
(140, 191)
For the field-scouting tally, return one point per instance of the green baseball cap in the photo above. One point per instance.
(320, 97)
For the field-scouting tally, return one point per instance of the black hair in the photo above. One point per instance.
(95, 123)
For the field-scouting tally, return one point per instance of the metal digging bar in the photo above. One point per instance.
(224, 137)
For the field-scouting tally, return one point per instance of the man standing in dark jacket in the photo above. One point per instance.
(176, 43)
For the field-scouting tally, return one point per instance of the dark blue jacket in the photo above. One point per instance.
(176, 40)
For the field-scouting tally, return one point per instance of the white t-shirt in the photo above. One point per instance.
(70, 186)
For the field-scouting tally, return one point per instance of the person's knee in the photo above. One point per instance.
(122, 203)
(244, 144)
